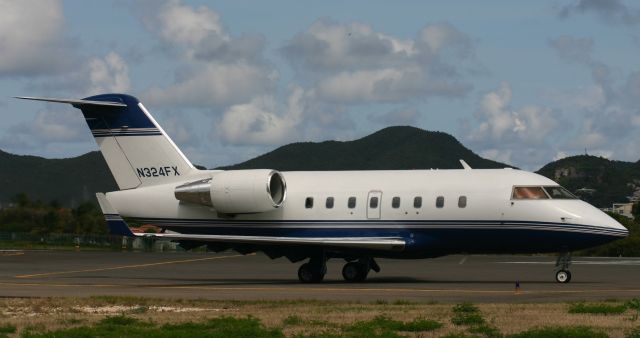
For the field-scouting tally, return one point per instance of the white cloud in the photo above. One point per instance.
(215, 84)
(441, 37)
(110, 74)
(257, 122)
(180, 129)
(522, 135)
(572, 48)
(499, 121)
(608, 110)
(183, 24)
(609, 11)
(47, 127)
(400, 116)
(31, 41)
(217, 69)
(352, 63)
(588, 98)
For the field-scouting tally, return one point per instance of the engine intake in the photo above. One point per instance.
(237, 191)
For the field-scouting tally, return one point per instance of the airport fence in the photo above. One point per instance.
(20, 240)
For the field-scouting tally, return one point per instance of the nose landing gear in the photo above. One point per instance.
(563, 275)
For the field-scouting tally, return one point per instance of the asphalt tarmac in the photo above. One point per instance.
(228, 275)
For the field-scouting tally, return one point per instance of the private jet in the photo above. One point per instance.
(314, 216)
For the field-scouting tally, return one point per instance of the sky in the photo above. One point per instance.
(521, 82)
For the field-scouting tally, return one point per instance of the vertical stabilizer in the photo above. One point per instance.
(135, 147)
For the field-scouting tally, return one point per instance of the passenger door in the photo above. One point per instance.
(373, 204)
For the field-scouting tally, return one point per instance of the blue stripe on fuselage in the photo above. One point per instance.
(424, 237)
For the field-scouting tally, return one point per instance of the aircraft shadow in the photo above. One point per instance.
(202, 282)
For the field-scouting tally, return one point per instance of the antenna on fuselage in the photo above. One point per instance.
(465, 165)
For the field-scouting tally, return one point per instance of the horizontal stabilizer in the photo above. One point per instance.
(73, 101)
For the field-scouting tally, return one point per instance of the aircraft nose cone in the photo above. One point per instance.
(620, 230)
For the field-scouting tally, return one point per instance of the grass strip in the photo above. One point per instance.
(634, 333)
(597, 308)
(7, 329)
(467, 314)
(123, 326)
(564, 332)
(382, 326)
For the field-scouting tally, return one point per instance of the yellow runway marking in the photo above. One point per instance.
(316, 289)
(126, 266)
(5, 254)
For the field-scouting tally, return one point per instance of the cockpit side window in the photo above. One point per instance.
(529, 193)
(559, 193)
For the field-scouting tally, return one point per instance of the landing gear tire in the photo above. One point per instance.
(355, 272)
(307, 273)
(563, 276)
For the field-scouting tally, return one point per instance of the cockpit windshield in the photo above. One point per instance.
(529, 193)
(559, 193)
(539, 193)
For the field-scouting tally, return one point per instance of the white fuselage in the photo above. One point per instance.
(488, 206)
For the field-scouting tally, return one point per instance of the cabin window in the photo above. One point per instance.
(560, 193)
(417, 202)
(462, 202)
(440, 202)
(329, 203)
(351, 202)
(395, 202)
(529, 193)
(308, 203)
(373, 202)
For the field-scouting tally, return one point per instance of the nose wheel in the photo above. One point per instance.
(563, 275)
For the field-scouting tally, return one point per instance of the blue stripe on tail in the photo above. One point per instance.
(117, 226)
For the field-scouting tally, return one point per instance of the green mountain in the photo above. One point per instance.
(597, 180)
(75, 180)
(389, 148)
(69, 181)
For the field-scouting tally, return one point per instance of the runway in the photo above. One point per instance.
(229, 275)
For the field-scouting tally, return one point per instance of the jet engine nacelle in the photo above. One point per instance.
(237, 191)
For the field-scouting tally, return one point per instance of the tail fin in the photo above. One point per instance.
(135, 147)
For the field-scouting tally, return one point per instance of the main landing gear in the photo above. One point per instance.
(358, 271)
(563, 275)
(314, 270)
(354, 271)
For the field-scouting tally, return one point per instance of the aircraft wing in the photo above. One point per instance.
(118, 226)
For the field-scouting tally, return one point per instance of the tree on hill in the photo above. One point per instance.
(42, 219)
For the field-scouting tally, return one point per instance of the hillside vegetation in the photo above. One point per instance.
(612, 181)
(69, 181)
(73, 181)
(388, 149)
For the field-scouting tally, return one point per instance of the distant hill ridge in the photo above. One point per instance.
(74, 180)
(69, 181)
(613, 181)
(388, 149)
